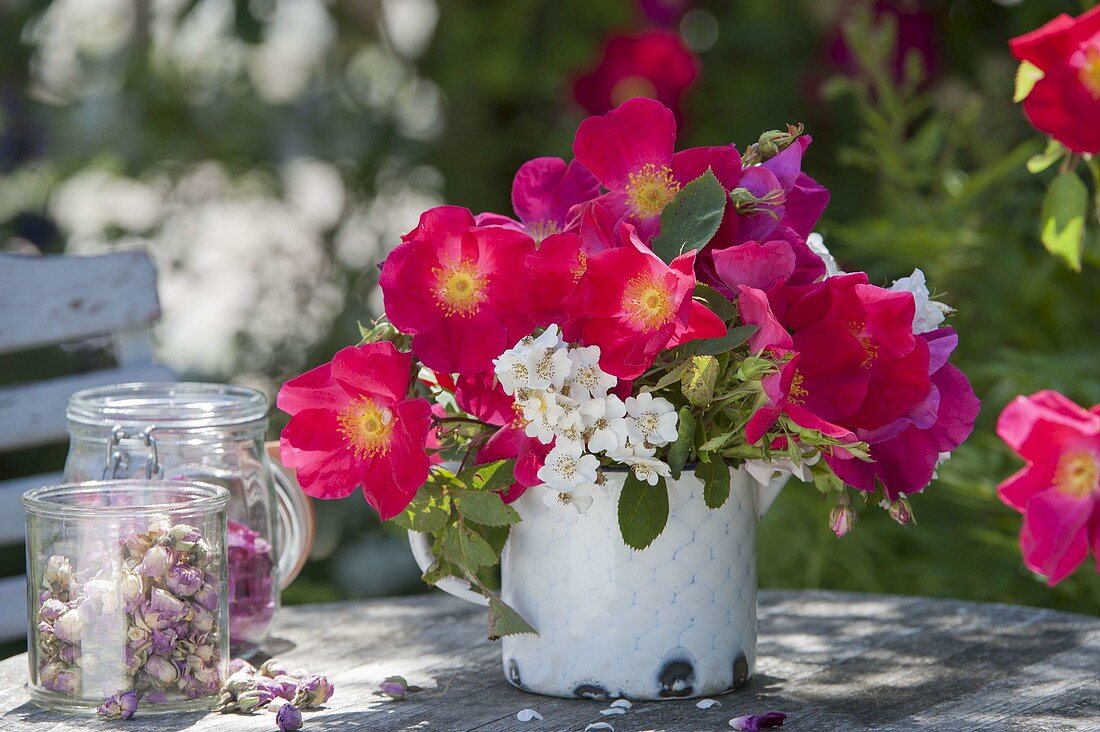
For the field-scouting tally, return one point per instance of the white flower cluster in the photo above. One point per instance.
(562, 394)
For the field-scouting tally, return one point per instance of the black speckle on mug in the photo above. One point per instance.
(740, 671)
(513, 674)
(677, 678)
(591, 691)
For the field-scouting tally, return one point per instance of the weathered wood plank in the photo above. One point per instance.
(34, 414)
(61, 299)
(833, 661)
(12, 523)
(13, 607)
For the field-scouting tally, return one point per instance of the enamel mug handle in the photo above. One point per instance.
(422, 552)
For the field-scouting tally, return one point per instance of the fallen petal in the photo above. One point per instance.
(526, 715)
(612, 711)
(708, 703)
(599, 725)
(621, 704)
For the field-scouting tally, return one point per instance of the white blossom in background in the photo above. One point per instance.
(409, 25)
(296, 40)
(816, 242)
(929, 314)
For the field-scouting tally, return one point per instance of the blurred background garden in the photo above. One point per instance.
(269, 153)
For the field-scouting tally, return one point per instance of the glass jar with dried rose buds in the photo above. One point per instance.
(212, 433)
(126, 592)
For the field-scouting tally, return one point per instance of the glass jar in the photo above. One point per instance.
(126, 592)
(215, 434)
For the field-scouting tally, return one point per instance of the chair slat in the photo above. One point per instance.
(11, 510)
(34, 414)
(13, 607)
(60, 299)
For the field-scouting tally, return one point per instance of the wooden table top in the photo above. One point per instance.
(832, 661)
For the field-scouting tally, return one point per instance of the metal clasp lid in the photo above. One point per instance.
(118, 459)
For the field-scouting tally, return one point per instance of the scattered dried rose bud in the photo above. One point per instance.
(757, 722)
(288, 718)
(239, 664)
(273, 667)
(313, 691)
(395, 687)
(254, 699)
(119, 706)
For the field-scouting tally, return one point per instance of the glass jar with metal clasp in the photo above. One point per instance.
(212, 433)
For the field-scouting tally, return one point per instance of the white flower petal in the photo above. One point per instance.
(526, 715)
(708, 703)
(622, 703)
(599, 725)
(612, 711)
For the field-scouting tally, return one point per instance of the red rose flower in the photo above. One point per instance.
(655, 64)
(1065, 102)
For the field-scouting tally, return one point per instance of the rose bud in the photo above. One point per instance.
(288, 718)
(313, 691)
(68, 627)
(239, 683)
(184, 580)
(842, 519)
(69, 654)
(395, 687)
(254, 699)
(155, 563)
(203, 622)
(132, 590)
(168, 608)
(183, 537)
(164, 641)
(56, 677)
(58, 571)
(120, 706)
(901, 512)
(162, 670)
(51, 610)
(273, 667)
(239, 664)
(206, 596)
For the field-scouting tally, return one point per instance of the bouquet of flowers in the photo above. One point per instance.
(646, 310)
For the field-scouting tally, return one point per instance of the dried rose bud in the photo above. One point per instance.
(203, 621)
(60, 678)
(162, 670)
(51, 610)
(155, 563)
(69, 653)
(287, 685)
(313, 691)
(206, 596)
(184, 580)
(58, 571)
(239, 683)
(288, 718)
(239, 664)
(69, 627)
(169, 609)
(164, 641)
(132, 590)
(254, 699)
(273, 667)
(395, 687)
(183, 537)
(119, 706)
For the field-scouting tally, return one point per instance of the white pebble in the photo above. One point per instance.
(612, 710)
(621, 704)
(526, 715)
(599, 725)
(708, 703)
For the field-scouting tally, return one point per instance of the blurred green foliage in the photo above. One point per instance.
(925, 171)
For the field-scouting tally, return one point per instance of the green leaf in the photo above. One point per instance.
(493, 476)
(427, 512)
(466, 549)
(485, 508)
(440, 569)
(692, 218)
(716, 481)
(503, 620)
(733, 338)
(1063, 217)
(1026, 77)
(716, 442)
(643, 511)
(698, 382)
(680, 450)
(716, 301)
(1040, 162)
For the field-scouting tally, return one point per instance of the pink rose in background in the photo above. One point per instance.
(1058, 491)
(450, 279)
(664, 12)
(654, 64)
(544, 191)
(353, 424)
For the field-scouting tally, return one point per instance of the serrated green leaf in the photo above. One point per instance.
(466, 549)
(1027, 75)
(427, 512)
(692, 218)
(716, 442)
(440, 568)
(733, 338)
(719, 304)
(643, 511)
(495, 536)
(698, 382)
(503, 620)
(716, 481)
(493, 476)
(485, 508)
(1051, 155)
(680, 450)
(1063, 216)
